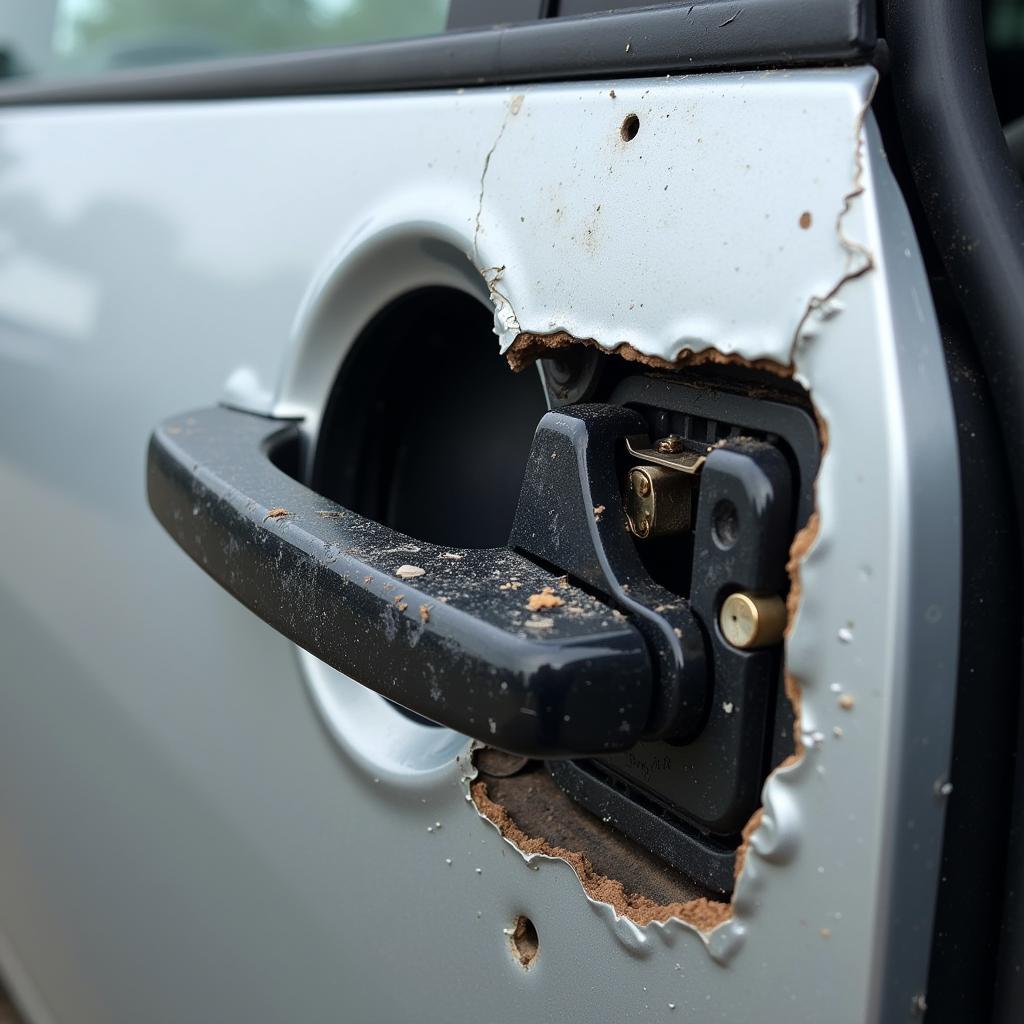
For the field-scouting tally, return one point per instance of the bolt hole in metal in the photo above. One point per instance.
(524, 940)
(630, 127)
(725, 524)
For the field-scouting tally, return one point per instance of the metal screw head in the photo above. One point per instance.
(640, 483)
(670, 445)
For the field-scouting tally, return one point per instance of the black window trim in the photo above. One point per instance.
(664, 39)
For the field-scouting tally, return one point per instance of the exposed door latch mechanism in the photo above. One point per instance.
(617, 660)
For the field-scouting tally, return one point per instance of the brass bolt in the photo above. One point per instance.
(670, 445)
(749, 621)
(640, 483)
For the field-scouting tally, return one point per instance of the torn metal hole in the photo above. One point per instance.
(524, 941)
(529, 808)
(532, 812)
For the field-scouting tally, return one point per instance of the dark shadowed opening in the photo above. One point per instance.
(427, 429)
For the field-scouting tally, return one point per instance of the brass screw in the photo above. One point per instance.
(749, 621)
(670, 445)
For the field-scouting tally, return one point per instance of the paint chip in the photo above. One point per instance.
(409, 572)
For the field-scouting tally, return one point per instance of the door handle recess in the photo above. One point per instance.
(447, 633)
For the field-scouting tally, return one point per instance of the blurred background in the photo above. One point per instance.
(74, 37)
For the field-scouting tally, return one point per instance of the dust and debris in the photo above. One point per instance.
(598, 512)
(539, 622)
(547, 598)
(276, 513)
(499, 763)
(510, 585)
(611, 93)
(452, 556)
(826, 933)
(367, 579)
(805, 219)
(846, 702)
(409, 572)
(326, 513)
(516, 105)
(424, 613)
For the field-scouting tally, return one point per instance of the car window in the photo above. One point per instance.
(73, 37)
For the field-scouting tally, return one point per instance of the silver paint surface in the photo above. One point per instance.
(186, 831)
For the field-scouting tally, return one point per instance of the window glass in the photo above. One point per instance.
(1005, 24)
(62, 37)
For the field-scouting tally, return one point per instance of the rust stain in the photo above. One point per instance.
(529, 347)
(702, 913)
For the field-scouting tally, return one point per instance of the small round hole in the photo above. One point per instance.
(524, 940)
(630, 126)
(725, 524)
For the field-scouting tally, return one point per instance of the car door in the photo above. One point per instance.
(659, 634)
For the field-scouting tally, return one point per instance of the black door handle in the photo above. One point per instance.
(447, 633)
